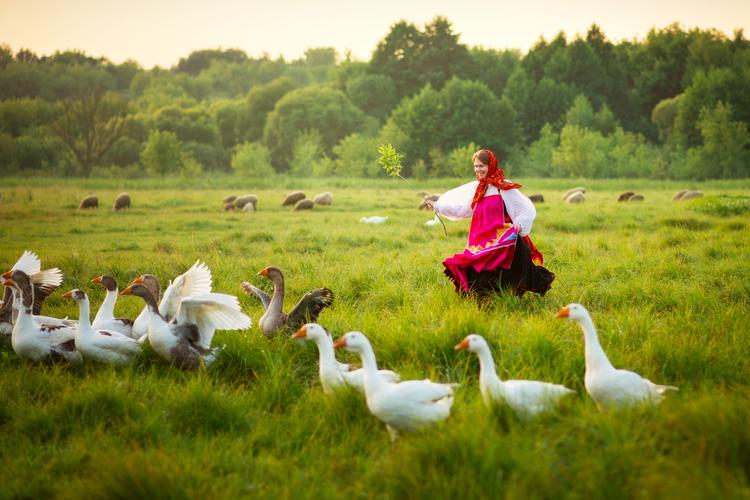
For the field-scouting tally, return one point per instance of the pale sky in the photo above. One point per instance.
(160, 32)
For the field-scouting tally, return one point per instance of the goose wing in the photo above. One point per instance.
(117, 342)
(422, 391)
(210, 312)
(257, 292)
(29, 263)
(44, 282)
(309, 306)
(195, 281)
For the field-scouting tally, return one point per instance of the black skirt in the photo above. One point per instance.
(523, 276)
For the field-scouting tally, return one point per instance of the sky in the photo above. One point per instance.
(160, 32)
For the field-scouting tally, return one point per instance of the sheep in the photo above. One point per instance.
(292, 198)
(537, 198)
(121, 202)
(230, 199)
(323, 199)
(636, 197)
(574, 190)
(304, 204)
(241, 201)
(89, 202)
(249, 207)
(625, 196)
(691, 195)
(679, 194)
(576, 197)
(229, 206)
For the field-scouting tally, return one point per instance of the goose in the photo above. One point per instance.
(32, 340)
(274, 318)
(105, 316)
(526, 397)
(44, 283)
(98, 344)
(195, 281)
(333, 374)
(610, 388)
(186, 340)
(402, 406)
(375, 219)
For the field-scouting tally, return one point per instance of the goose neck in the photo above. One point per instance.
(596, 358)
(108, 306)
(370, 367)
(277, 300)
(487, 371)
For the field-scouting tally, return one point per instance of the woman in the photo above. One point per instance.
(499, 254)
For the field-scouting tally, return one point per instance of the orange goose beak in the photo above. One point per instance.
(68, 294)
(263, 272)
(127, 291)
(564, 312)
(463, 345)
(137, 281)
(301, 333)
(340, 343)
(97, 280)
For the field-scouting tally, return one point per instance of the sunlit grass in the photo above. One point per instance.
(668, 285)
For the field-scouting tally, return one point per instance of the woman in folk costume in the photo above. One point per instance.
(499, 254)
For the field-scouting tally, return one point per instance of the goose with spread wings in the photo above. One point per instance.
(274, 318)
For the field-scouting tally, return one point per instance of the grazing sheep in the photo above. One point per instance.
(537, 198)
(304, 205)
(625, 196)
(241, 201)
(679, 194)
(324, 199)
(636, 197)
(121, 202)
(89, 202)
(230, 199)
(249, 207)
(229, 206)
(292, 198)
(690, 195)
(574, 190)
(576, 197)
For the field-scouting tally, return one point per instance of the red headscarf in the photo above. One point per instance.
(495, 176)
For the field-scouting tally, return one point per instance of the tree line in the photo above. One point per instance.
(675, 104)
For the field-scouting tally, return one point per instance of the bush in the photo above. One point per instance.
(308, 148)
(252, 159)
(162, 154)
(357, 156)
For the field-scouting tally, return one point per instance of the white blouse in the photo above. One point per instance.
(456, 205)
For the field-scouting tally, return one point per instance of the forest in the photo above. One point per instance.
(674, 105)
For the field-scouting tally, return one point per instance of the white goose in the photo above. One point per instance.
(186, 340)
(30, 339)
(333, 374)
(609, 387)
(43, 283)
(97, 344)
(527, 397)
(195, 281)
(105, 316)
(403, 406)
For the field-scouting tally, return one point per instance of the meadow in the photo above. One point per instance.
(667, 284)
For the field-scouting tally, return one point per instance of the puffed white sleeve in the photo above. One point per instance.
(456, 203)
(520, 209)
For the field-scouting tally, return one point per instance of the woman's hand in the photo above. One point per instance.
(430, 204)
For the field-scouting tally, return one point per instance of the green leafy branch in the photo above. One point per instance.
(390, 160)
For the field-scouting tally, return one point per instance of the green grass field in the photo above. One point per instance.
(668, 285)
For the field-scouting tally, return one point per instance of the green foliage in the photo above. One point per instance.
(162, 153)
(252, 159)
(538, 158)
(390, 160)
(311, 108)
(581, 114)
(308, 148)
(259, 102)
(357, 156)
(581, 153)
(373, 94)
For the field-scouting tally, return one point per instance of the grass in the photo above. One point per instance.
(667, 283)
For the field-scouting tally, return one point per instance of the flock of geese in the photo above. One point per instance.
(180, 328)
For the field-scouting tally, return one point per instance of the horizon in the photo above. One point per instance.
(89, 28)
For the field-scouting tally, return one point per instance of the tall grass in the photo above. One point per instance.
(668, 285)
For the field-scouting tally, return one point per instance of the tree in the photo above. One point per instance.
(259, 102)
(373, 94)
(162, 153)
(201, 59)
(311, 108)
(252, 159)
(308, 148)
(581, 153)
(90, 124)
(357, 156)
